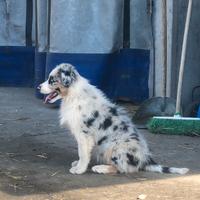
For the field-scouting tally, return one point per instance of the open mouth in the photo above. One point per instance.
(50, 96)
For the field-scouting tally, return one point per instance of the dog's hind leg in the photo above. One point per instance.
(104, 169)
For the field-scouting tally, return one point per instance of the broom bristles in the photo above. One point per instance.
(175, 125)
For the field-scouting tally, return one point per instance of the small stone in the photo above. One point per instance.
(142, 196)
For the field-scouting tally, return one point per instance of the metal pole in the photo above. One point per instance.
(183, 55)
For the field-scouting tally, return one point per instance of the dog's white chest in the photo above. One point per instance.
(69, 116)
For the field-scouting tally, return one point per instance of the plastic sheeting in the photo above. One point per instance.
(140, 24)
(12, 22)
(99, 28)
(42, 25)
(77, 26)
(86, 27)
(90, 32)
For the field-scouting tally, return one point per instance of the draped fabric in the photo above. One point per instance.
(88, 34)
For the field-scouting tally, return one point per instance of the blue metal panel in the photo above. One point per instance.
(91, 66)
(40, 66)
(129, 75)
(123, 74)
(16, 66)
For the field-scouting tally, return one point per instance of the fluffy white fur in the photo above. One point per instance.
(101, 128)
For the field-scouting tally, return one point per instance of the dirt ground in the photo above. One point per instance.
(35, 156)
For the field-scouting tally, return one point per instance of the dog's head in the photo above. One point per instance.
(60, 80)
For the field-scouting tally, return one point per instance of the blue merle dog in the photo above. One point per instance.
(101, 128)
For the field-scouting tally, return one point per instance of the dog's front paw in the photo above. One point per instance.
(74, 163)
(77, 170)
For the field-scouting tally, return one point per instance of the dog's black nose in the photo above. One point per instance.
(39, 87)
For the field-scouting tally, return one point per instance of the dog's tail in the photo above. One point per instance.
(152, 166)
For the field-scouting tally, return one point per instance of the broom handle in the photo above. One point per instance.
(182, 63)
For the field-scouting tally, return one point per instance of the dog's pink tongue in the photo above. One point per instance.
(50, 96)
(47, 98)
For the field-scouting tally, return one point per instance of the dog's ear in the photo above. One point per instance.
(67, 74)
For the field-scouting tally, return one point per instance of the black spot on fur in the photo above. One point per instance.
(102, 140)
(114, 159)
(134, 136)
(68, 76)
(166, 170)
(151, 161)
(115, 128)
(113, 111)
(51, 80)
(106, 123)
(96, 114)
(91, 120)
(84, 131)
(94, 97)
(66, 72)
(132, 160)
(124, 126)
(127, 140)
(79, 107)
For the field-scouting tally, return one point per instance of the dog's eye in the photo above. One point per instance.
(51, 80)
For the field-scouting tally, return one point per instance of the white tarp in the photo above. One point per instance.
(76, 26)
(12, 22)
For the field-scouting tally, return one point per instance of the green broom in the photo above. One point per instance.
(177, 124)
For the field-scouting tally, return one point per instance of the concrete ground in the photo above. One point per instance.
(35, 156)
